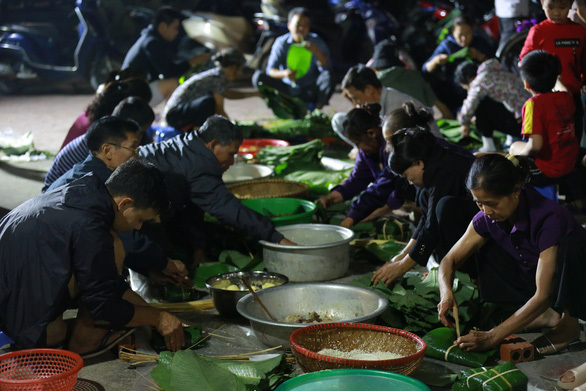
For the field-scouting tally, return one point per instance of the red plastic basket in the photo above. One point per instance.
(39, 369)
(253, 145)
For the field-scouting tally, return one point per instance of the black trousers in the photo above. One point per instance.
(492, 115)
(191, 114)
(319, 95)
(501, 280)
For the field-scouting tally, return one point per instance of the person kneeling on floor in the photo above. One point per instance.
(529, 251)
(62, 247)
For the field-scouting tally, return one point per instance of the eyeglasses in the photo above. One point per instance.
(133, 150)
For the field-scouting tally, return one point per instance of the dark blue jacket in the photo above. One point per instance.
(142, 254)
(44, 243)
(152, 54)
(194, 179)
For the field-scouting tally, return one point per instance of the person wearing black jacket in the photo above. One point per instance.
(440, 175)
(192, 165)
(112, 141)
(61, 248)
(156, 53)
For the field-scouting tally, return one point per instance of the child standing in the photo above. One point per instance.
(565, 39)
(548, 121)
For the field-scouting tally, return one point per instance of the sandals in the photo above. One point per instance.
(105, 346)
(545, 347)
(579, 378)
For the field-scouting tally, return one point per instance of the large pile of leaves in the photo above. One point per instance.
(186, 370)
(413, 300)
(314, 125)
(291, 158)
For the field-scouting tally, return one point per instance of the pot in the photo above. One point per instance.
(322, 252)
(338, 302)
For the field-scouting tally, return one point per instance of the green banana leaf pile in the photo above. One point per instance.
(186, 370)
(413, 301)
(501, 377)
(283, 105)
(320, 182)
(313, 125)
(286, 159)
(450, 129)
(440, 345)
(385, 251)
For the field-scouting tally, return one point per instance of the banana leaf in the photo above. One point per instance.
(385, 251)
(286, 159)
(319, 181)
(192, 334)
(242, 261)
(283, 105)
(440, 345)
(462, 53)
(186, 370)
(501, 377)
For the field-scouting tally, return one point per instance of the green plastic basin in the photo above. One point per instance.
(283, 211)
(352, 380)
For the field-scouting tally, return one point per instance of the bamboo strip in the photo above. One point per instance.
(189, 306)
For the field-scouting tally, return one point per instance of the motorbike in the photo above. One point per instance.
(62, 41)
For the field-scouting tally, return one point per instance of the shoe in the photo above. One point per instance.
(545, 347)
(105, 346)
(579, 378)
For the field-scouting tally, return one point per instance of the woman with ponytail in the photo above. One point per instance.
(530, 252)
(363, 127)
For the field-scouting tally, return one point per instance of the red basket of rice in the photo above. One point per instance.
(39, 369)
(357, 345)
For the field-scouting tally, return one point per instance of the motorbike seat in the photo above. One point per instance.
(45, 30)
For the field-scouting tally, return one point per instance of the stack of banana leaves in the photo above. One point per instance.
(450, 129)
(413, 301)
(313, 125)
(187, 370)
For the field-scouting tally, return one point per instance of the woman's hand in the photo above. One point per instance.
(348, 222)
(445, 305)
(477, 341)
(334, 197)
(393, 269)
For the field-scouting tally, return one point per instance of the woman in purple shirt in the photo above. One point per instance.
(363, 127)
(530, 252)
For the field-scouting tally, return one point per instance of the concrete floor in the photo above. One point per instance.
(48, 117)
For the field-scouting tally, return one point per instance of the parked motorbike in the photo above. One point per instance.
(62, 41)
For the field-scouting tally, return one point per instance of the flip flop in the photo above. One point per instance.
(579, 378)
(105, 346)
(545, 347)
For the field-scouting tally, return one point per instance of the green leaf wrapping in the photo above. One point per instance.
(287, 159)
(239, 260)
(185, 370)
(319, 181)
(501, 377)
(440, 345)
(385, 251)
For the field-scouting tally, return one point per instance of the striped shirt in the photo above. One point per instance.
(74, 152)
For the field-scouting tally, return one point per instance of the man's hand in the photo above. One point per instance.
(289, 74)
(437, 61)
(171, 329)
(174, 273)
(445, 305)
(287, 242)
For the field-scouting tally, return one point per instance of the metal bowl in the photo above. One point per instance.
(225, 300)
(338, 302)
(245, 172)
(322, 252)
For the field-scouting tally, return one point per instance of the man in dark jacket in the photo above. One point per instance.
(193, 165)
(62, 246)
(112, 141)
(156, 54)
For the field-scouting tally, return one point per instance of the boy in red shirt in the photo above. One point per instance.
(548, 121)
(560, 36)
